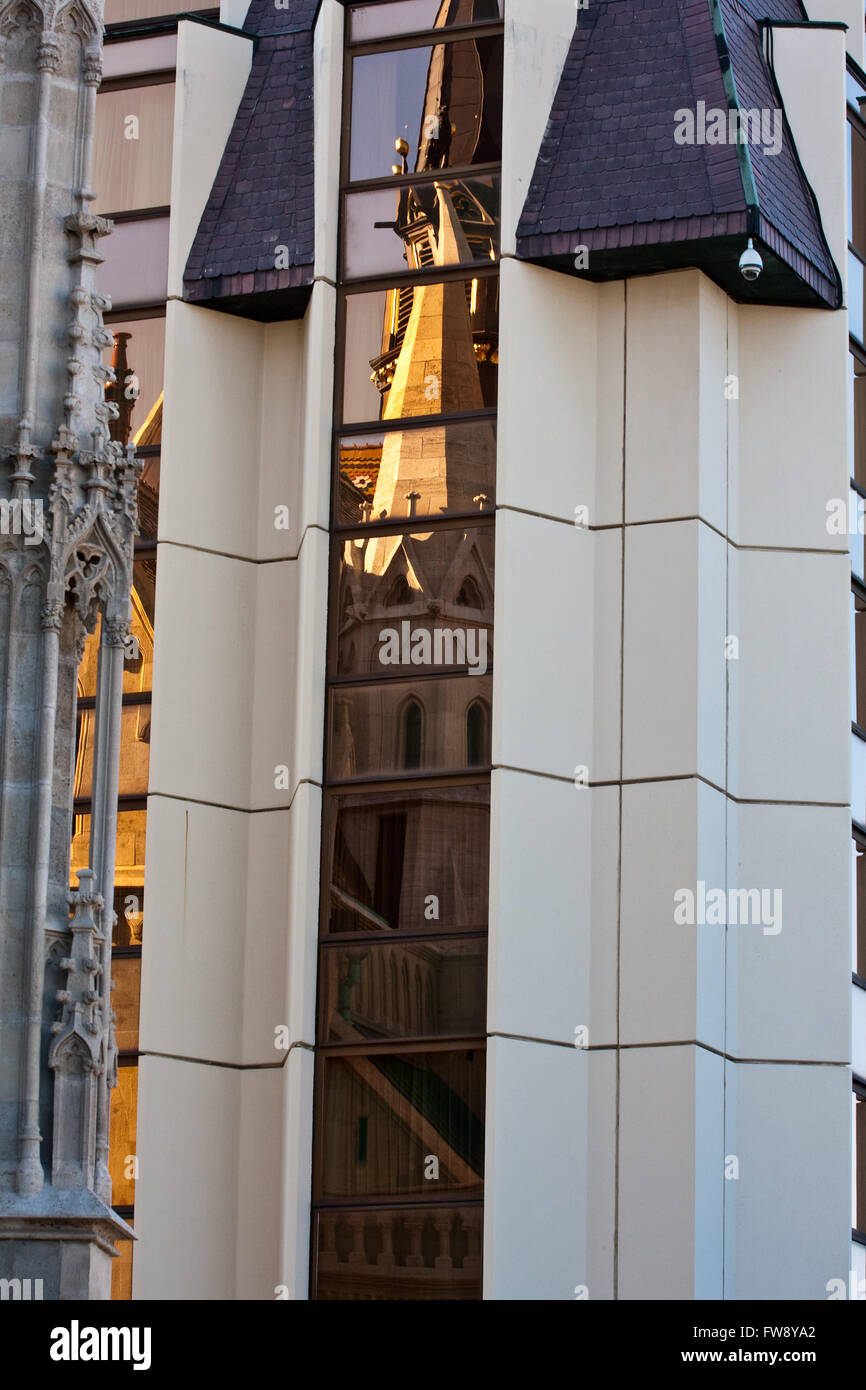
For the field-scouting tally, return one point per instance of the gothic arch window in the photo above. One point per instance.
(411, 734)
(469, 594)
(477, 734)
(399, 593)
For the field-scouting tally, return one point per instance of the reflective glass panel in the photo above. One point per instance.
(387, 1116)
(126, 974)
(121, 1143)
(857, 406)
(134, 751)
(138, 653)
(410, 16)
(404, 602)
(431, 107)
(428, 349)
(130, 56)
(399, 1253)
(122, 11)
(138, 359)
(451, 468)
(132, 148)
(855, 297)
(128, 874)
(421, 226)
(419, 726)
(121, 1268)
(857, 189)
(413, 860)
(135, 262)
(387, 989)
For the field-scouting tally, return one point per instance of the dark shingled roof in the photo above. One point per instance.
(262, 197)
(610, 176)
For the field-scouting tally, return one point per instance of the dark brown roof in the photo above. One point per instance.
(610, 176)
(262, 197)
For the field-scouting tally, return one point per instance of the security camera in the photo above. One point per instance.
(751, 264)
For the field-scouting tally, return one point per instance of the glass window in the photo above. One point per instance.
(123, 11)
(860, 1159)
(412, 861)
(128, 873)
(421, 471)
(416, 989)
(125, 997)
(431, 107)
(138, 358)
(121, 1157)
(401, 602)
(421, 226)
(367, 735)
(860, 658)
(398, 1253)
(156, 53)
(135, 262)
(855, 297)
(134, 751)
(857, 388)
(430, 349)
(411, 16)
(860, 944)
(132, 148)
(402, 1123)
(121, 1268)
(857, 188)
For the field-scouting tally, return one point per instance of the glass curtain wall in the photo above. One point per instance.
(400, 1069)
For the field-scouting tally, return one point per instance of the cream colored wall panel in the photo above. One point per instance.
(541, 875)
(279, 516)
(318, 387)
(260, 1162)
(296, 1080)
(535, 1192)
(674, 657)
(206, 962)
(327, 131)
(536, 42)
(610, 392)
(604, 916)
(675, 382)
(809, 65)
(278, 680)
(672, 962)
(544, 606)
(601, 1175)
(212, 70)
(849, 12)
(186, 1196)
(792, 409)
(789, 963)
(605, 755)
(203, 685)
(548, 329)
(211, 430)
(783, 1124)
(665, 1132)
(788, 693)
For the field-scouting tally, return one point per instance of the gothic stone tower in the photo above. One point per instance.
(67, 522)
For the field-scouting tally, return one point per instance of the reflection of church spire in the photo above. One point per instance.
(116, 391)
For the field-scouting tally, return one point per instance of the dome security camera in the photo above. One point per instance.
(751, 264)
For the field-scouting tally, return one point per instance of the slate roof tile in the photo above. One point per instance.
(262, 195)
(632, 65)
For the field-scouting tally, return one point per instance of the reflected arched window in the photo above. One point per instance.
(477, 734)
(412, 732)
(399, 593)
(469, 595)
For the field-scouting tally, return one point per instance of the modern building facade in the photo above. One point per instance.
(491, 747)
